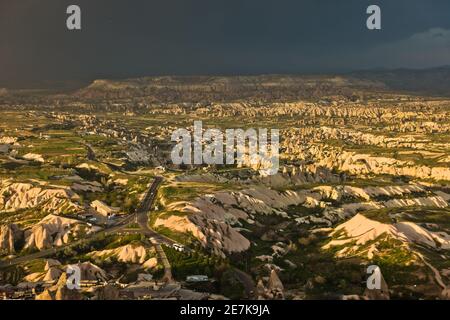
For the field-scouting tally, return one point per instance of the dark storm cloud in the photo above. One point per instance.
(150, 37)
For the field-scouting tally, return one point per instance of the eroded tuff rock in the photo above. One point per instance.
(287, 176)
(362, 164)
(60, 291)
(361, 230)
(55, 231)
(273, 290)
(9, 234)
(15, 195)
(213, 218)
(55, 273)
(128, 253)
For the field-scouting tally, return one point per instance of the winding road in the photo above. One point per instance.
(155, 238)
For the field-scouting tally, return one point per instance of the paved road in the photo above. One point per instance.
(142, 214)
(155, 238)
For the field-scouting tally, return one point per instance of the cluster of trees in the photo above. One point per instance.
(184, 264)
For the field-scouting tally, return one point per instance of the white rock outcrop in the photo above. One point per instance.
(360, 230)
(55, 231)
(128, 254)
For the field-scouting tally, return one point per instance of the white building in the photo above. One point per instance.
(197, 278)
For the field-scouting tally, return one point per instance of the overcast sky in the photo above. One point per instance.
(128, 38)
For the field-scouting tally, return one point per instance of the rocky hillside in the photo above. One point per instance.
(214, 219)
(202, 88)
(426, 81)
(360, 230)
(128, 254)
(15, 196)
(420, 246)
(55, 231)
(271, 87)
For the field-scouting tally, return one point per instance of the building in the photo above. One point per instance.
(178, 247)
(197, 278)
